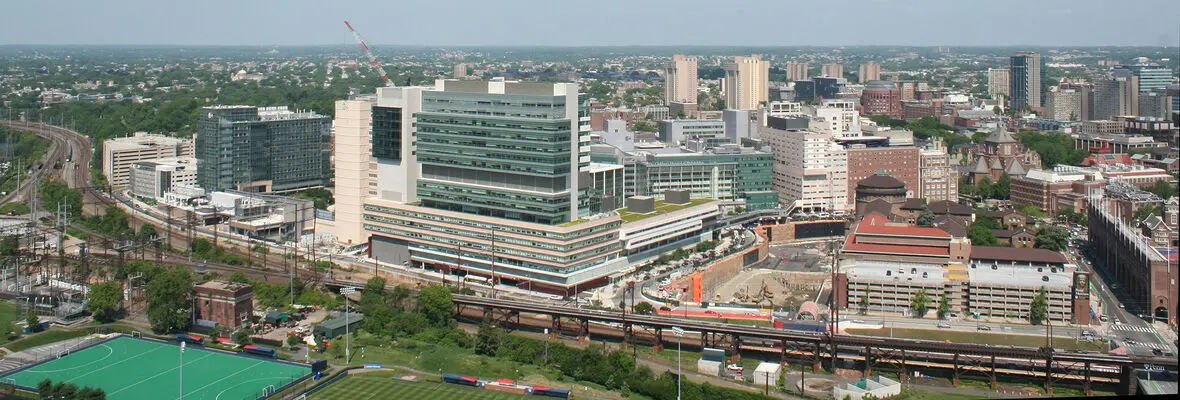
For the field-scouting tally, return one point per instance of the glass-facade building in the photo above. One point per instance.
(1027, 80)
(1151, 77)
(269, 149)
(727, 173)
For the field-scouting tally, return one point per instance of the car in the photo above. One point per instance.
(944, 325)
(1103, 318)
(984, 328)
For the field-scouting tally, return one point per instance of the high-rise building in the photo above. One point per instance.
(1114, 97)
(120, 154)
(797, 71)
(1155, 104)
(881, 98)
(810, 168)
(869, 71)
(267, 149)
(1027, 81)
(998, 82)
(1085, 98)
(939, 179)
(1151, 76)
(354, 167)
(1064, 104)
(832, 70)
(460, 71)
(747, 81)
(680, 80)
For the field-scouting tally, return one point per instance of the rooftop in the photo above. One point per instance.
(883, 271)
(223, 285)
(1017, 255)
(876, 224)
(661, 208)
(1016, 275)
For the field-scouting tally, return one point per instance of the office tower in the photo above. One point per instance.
(881, 98)
(907, 90)
(747, 81)
(832, 70)
(1152, 77)
(1115, 97)
(460, 71)
(352, 144)
(998, 82)
(120, 154)
(1064, 104)
(1085, 92)
(267, 149)
(797, 71)
(869, 71)
(1155, 104)
(680, 80)
(728, 172)
(1027, 81)
(810, 168)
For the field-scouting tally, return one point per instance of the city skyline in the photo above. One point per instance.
(608, 23)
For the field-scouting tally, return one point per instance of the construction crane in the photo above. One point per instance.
(368, 53)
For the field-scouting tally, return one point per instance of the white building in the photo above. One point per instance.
(119, 154)
(998, 82)
(747, 82)
(810, 168)
(1064, 104)
(939, 180)
(151, 179)
(680, 80)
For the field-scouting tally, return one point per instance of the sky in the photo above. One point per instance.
(594, 23)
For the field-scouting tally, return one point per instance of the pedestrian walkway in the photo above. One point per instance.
(1134, 328)
(1155, 346)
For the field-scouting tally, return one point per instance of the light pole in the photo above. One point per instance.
(347, 347)
(181, 368)
(679, 334)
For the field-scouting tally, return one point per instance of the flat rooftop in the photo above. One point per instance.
(1012, 275)
(885, 271)
(661, 208)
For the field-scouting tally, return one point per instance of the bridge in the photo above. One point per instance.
(899, 355)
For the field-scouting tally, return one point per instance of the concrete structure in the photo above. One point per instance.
(1085, 92)
(1115, 97)
(728, 173)
(869, 71)
(832, 70)
(267, 149)
(1002, 154)
(797, 71)
(1144, 273)
(1042, 188)
(352, 144)
(879, 190)
(767, 374)
(120, 154)
(810, 168)
(998, 83)
(938, 179)
(881, 98)
(151, 179)
(1064, 104)
(1027, 81)
(1151, 77)
(747, 82)
(677, 131)
(460, 71)
(876, 388)
(900, 163)
(228, 304)
(1155, 105)
(680, 80)
(1112, 142)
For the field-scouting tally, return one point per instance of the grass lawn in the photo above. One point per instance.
(8, 317)
(661, 208)
(56, 335)
(373, 384)
(981, 338)
(16, 208)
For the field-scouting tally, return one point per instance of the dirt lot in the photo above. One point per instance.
(785, 289)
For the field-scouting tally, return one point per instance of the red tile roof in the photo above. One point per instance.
(900, 250)
(876, 224)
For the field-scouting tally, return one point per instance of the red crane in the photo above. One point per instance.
(372, 59)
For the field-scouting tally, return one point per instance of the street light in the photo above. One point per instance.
(347, 347)
(680, 334)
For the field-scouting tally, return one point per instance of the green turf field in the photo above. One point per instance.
(382, 385)
(136, 369)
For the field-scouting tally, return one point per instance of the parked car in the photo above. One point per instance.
(984, 328)
(944, 325)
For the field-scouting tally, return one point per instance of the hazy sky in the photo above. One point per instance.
(598, 22)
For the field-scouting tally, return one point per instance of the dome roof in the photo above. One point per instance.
(880, 85)
(881, 180)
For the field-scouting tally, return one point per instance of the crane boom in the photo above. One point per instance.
(368, 53)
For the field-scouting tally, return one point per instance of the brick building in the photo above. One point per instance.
(226, 303)
(901, 163)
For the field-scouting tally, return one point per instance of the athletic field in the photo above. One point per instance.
(136, 369)
(382, 385)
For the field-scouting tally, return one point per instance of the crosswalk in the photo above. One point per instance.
(1156, 346)
(1134, 328)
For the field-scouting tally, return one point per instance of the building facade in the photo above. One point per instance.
(267, 149)
(728, 173)
(869, 71)
(151, 179)
(120, 154)
(1064, 104)
(881, 98)
(797, 71)
(1027, 83)
(1115, 97)
(228, 304)
(832, 70)
(938, 179)
(680, 80)
(747, 83)
(998, 83)
(1002, 154)
(810, 168)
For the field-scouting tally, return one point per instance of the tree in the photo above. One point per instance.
(984, 188)
(103, 301)
(1031, 211)
(436, 305)
(926, 218)
(644, 126)
(147, 231)
(981, 235)
(1145, 211)
(32, 321)
(1163, 189)
(488, 338)
(919, 303)
(242, 337)
(373, 296)
(864, 304)
(1052, 238)
(644, 308)
(944, 306)
(169, 308)
(1039, 309)
(293, 340)
(979, 137)
(238, 276)
(1003, 188)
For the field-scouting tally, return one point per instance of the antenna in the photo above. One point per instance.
(368, 53)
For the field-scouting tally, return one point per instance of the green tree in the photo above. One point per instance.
(979, 137)
(944, 306)
(373, 296)
(147, 231)
(984, 188)
(436, 305)
(980, 235)
(1052, 238)
(864, 304)
(644, 126)
(242, 337)
(488, 338)
(1031, 211)
(293, 340)
(926, 218)
(238, 276)
(9, 244)
(169, 308)
(1163, 189)
(920, 303)
(644, 308)
(1147, 210)
(1039, 309)
(32, 321)
(103, 301)
(1003, 188)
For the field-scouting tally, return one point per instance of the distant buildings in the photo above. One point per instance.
(676, 131)
(151, 179)
(747, 81)
(998, 83)
(268, 149)
(1151, 77)
(881, 98)
(120, 154)
(832, 70)
(1027, 80)
(680, 80)
(797, 71)
(1002, 154)
(460, 71)
(728, 173)
(1064, 104)
(869, 71)
(1114, 97)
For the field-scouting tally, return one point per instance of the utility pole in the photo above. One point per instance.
(676, 330)
(347, 339)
